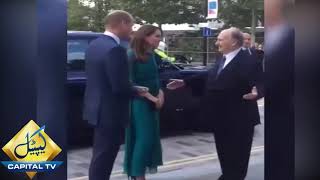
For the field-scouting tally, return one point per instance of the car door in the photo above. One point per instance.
(76, 81)
(178, 111)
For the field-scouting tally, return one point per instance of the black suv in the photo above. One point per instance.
(181, 109)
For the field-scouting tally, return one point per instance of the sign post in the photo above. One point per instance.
(212, 13)
(206, 33)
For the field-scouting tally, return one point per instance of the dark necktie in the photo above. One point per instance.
(221, 65)
(249, 50)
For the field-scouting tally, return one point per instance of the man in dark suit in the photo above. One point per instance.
(108, 91)
(279, 109)
(247, 46)
(280, 90)
(247, 43)
(231, 103)
(255, 56)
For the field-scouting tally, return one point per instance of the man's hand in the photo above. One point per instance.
(175, 84)
(251, 96)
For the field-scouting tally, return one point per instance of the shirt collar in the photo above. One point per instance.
(247, 49)
(115, 37)
(232, 54)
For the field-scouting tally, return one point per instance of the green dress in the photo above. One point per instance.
(143, 147)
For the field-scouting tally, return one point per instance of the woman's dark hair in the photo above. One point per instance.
(138, 44)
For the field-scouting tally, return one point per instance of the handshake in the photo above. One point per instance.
(157, 100)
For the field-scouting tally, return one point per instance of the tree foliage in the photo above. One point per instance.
(231, 12)
(238, 13)
(170, 11)
(78, 16)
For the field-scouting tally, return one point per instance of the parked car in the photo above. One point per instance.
(180, 111)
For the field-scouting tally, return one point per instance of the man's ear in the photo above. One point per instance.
(234, 44)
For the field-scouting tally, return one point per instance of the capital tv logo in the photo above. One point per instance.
(31, 151)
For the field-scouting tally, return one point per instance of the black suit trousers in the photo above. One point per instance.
(106, 145)
(233, 144)
(233, 130)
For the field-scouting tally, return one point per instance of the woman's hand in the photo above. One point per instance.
(151, 98)
(161, 98)
(157, 100)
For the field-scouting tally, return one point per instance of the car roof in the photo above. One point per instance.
(83, 34)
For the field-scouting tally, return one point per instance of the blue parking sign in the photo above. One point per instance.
(206, 32)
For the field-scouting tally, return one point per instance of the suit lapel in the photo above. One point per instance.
(231, 64)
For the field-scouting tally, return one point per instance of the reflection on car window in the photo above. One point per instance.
(168, 66)
(76, 54)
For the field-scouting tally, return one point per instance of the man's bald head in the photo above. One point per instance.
(229, 40)
(246, 40)
(236, 36)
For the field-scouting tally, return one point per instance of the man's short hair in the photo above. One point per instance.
(246, 34)
(117, 17)
(237, 35)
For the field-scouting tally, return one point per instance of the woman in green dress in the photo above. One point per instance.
(143, 147)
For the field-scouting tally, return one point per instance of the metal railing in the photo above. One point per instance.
(192, 48)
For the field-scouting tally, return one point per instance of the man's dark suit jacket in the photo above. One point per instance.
(258, 55)
(255, 52)
(108, 90)
(225, 91)
(279, 108)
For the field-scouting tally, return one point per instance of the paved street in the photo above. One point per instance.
(204, 169)
(186, 157)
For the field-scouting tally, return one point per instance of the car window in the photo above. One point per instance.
(76, 54)
(165, 66)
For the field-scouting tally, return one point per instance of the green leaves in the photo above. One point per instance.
(231, 12)
(238, 12)
(170, 11)
(78, 16)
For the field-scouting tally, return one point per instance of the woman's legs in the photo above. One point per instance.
(144, 123)
(143, 148)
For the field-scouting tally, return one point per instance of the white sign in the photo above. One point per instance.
(212, 9)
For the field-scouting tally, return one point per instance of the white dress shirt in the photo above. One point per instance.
(115, 37)
(230, 56)
(247, 49)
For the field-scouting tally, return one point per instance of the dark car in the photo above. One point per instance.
(181, 109)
